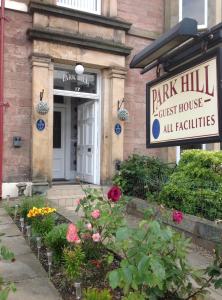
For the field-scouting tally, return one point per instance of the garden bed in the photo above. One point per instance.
(153, 262)
(94, 277)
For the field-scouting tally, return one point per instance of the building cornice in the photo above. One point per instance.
(78, 40)
(68, 13)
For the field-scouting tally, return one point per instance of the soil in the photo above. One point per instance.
(92, 276)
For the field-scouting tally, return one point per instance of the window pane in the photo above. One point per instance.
(57, 130)
(194, 9)
(70, 81)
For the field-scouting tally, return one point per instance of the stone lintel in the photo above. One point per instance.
(78, 40)
(64, 12)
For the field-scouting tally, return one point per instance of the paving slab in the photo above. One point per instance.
(4, 219)
(3, 212)
(26, 266)
(9, 229)
(17, 244)
(35, 289)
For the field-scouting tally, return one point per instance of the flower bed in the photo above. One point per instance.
(111, 260)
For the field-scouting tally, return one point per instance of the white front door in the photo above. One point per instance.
(59, 143)
(86, 142)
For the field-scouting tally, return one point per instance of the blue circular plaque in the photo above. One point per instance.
(118, 129)
(40, 124)
(156, 129)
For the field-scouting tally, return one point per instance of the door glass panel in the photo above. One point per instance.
(57, 130)
(68, 80)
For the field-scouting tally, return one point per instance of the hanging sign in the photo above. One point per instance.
(40, 124)
(185, 107)
(118, 129)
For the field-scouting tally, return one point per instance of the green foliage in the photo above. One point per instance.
(142, 176)
(56, 241)
(42, 225)
(196, 185)
(6, 288)
(94, 294)
(28, 203)
(73, 262)
(154, 264)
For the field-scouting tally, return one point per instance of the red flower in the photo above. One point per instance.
(96, 263)
(177, 216)
(114, 194)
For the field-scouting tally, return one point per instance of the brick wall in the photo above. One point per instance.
(145, 15)
(17, 118)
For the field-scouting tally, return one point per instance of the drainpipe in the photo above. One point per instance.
(2, 20)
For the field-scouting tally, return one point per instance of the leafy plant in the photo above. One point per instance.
(154, 264)
(102, 214)
(73, 262)
(42, 225)
(56, 241)
(28, 203)
(196, 185)
(95, 294)
(142, 176)
(6, 287)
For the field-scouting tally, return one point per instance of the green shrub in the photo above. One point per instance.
(28, 203)
(94, 294)
(142, 176)
(155, 266)
(73, 261)
(196, 185)
(41, 226)
(56, 241)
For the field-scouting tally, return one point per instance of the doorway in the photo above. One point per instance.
(77, 120)
(75, 140)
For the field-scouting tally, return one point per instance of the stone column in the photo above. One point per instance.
(42, 152)
(117, 87)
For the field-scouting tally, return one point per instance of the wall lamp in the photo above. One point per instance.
(122, 113)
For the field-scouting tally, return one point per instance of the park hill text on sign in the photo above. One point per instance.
(185, 106)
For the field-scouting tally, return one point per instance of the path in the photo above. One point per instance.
(26, 272)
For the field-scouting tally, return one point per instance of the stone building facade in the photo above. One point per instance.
(44, 41)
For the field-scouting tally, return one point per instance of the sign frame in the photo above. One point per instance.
(194, 62)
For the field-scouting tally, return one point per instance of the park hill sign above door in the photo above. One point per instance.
(184, 106)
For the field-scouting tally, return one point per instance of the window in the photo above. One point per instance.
(68, 80)
(180, 149)
(194, 9)
(91, 6)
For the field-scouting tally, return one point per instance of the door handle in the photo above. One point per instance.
(89, 150)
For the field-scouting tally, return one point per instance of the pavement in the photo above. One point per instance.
(30, 279)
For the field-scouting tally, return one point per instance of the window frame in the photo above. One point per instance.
(98, 11)
(201, 26)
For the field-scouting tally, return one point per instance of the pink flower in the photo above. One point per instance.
(114, 194)
(95, 214)
(96, 237)
(78, 202)
(177, 216)
(72, 235)
(89, 226)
